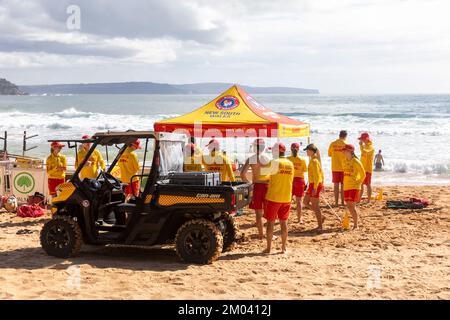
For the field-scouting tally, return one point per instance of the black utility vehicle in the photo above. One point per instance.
(170, 208)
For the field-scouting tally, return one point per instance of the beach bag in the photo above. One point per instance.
(425, 202)
(38, 199)
(30, 211)
(404, 204)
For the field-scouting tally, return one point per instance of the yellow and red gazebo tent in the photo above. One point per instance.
(235, 111)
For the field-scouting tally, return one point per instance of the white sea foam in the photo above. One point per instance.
(412, 131)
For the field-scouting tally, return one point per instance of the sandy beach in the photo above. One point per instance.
(394, 255)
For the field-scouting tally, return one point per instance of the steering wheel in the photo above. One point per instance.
(116, 184)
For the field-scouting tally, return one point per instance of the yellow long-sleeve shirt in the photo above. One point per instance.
(335, 151)
(300, 166)
(280, 182)
(129, 165)
(192, 164)
(218, 162)
(96, 159)
(367, 156)
(354, 174)
(56, 166)
(315, 172)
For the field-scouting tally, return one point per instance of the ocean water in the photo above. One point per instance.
(413, 131)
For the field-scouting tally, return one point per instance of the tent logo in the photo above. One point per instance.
(24, 183)
(227, 103)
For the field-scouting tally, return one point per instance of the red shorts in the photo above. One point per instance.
(298, 187)
(134, 191)
(272, 210)
(52, 184)
(319, 189)
(368, 180)
(338, 177)
(351, 195)
(259, 196)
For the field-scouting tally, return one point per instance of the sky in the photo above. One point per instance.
(336, 46)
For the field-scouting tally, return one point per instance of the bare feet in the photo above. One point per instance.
(320, 227)
(284, 250)
(266, 251)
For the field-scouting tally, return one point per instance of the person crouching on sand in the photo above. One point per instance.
(367, 157)
(354, 175)
(298, 187)
(279, 195)
(56, 165)
(259, 163)
(315, 183)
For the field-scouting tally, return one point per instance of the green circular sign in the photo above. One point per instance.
(24, 183)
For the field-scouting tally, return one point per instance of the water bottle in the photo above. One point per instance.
(346, 220)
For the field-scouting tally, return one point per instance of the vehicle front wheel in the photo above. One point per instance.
(199, 241)
(61, 237)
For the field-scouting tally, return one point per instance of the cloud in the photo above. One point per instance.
(130, 31)
(313, 43)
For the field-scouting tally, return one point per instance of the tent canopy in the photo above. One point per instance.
(235, 112)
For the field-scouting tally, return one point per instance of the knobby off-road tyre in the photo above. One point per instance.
(61, 237)
(230, 234)
(199, 241)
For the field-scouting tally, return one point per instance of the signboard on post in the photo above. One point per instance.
(26, 182)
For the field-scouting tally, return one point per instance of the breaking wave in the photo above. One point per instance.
(73, 113)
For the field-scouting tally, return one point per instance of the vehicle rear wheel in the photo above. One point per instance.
(199, 241)
(230, 233)
(61, 237)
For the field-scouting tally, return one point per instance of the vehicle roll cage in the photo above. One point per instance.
(109, 139)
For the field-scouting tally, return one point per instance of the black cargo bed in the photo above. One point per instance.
(217, 198)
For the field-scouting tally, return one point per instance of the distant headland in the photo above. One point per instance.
(8, 88)
(154, 88)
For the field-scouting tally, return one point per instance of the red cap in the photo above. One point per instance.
(213, 143)
(349, 147)
(279, 146)
(295, 146)
(364, 136)
(137, 144)
(85, 137)
(190, 146)
(56, 144)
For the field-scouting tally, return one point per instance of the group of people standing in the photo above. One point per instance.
(277, 181)
(56, 165)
